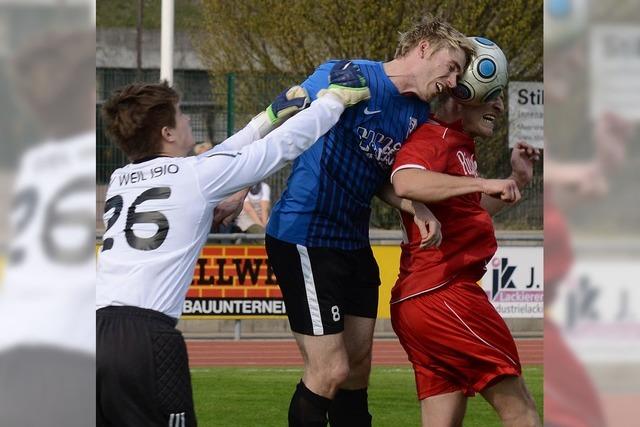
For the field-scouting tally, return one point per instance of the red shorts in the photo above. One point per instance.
(455, 339)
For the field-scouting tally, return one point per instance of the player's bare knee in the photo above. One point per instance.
(362, 371)
(361, 362)
(331, 372)
(333, 376)
(442, 422)
(339, 373)
(524, 415)
(531, 418)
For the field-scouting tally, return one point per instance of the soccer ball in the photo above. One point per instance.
(485, 77)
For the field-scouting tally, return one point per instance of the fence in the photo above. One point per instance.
(219, 105)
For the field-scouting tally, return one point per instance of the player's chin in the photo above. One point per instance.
(480, 133)
(429, 94)
(426, 97)
(485, 130)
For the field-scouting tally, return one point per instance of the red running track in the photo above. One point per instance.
(285, 353)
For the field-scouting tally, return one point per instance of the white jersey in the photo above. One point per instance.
(158, 213)
(49, 280)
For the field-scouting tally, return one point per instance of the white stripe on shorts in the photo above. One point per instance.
(479, 337)
(310, 288)
(177, 420)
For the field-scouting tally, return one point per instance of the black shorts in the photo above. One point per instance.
(47, 386)
(142, 370)
(322, 285)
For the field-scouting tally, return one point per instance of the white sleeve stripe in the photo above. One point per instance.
(407, 166)
(237, 153)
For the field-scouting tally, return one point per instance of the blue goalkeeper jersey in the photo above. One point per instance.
(327, 202)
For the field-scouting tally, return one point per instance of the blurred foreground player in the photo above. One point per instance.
(571, 398)
(47, 295)
(455, 339)
(158, 212)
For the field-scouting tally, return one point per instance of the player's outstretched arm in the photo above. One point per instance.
(429, 187)
(223, 173)
(286, 104)
(283, 107)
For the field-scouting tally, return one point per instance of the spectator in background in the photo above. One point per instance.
(225, 226)
(254, 215)
(202, 147)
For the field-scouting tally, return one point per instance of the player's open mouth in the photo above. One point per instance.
(489, 117)
(439, 87)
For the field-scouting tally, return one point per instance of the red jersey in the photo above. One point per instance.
(468, 237)
(558, 254)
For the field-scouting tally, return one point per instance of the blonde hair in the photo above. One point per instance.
(438, 33)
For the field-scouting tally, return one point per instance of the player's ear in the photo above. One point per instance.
(423, 49)
(168, 134)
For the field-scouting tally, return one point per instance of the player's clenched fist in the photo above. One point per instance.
(347, 83)
(503, 189)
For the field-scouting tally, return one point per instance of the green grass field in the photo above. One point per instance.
(259, 397)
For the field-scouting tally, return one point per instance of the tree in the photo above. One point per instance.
(294, 37)
(271, 44)
(284, 41)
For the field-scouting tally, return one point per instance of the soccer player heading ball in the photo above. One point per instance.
(456, 340)
(318, 234)
(158, 212)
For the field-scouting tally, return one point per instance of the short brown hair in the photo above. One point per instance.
(438, 33)
(135, 115)
(72, 55)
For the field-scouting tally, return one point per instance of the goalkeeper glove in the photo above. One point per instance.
(285, 105)
(347, 83)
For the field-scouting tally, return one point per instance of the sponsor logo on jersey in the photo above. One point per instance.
(413, 124)
(468, 162)
(144, 175)
(378, 146)
(369, 112)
